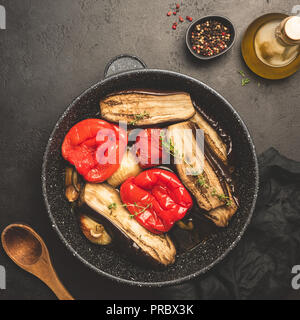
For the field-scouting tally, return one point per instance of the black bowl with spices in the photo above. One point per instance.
(210, 37)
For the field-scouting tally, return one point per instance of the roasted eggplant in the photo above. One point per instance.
(106, 205)
(139, 108)
(222, 215)
(205, 177)
(211, 137)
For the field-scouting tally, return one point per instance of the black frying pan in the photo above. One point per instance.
(106, 261)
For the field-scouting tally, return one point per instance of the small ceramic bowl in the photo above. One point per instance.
(225, 21)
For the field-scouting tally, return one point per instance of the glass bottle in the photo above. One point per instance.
(277, 43)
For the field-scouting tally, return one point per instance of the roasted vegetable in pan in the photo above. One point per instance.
(128, 168)
(149, 202)
(211, 137)
(71, 194)
(95, 147)
(205, 177)
(72, 184)
(185, 226)
(94, 231)
(221, 215)
(140, 108)
(156, 199)
(148, 148)
(106, 204)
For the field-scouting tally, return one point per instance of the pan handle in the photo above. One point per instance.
(122, 63)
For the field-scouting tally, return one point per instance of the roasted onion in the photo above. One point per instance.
(128, 168)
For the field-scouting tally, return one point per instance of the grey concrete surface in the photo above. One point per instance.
(53, 50)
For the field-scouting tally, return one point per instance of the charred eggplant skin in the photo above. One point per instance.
(121, 243)
(213, 188)
(140, 244)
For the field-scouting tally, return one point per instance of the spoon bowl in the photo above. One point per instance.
(22, 245)
(28, 250)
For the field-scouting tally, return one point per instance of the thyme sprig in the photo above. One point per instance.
(222, 197)
(143, 209)
(245, 80)
(201, 181)
(139, 116)
(113, 206)
(169, 147)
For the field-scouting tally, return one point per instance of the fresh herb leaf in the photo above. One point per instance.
(142, 209)
(222, 197)
(138, 117)
(201, 181)
(169, 147)
(112, 206)
(228, 203)
(245, 81)
(242, 73)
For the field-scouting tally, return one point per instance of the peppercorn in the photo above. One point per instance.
(210, 38)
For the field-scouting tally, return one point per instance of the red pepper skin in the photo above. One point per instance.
(150, 152)
(82, 142)
(157, 199)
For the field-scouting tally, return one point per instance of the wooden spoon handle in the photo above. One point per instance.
(53, 282)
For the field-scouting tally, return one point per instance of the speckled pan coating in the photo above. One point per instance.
(109, 263)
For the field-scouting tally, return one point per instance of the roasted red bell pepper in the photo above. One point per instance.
(95, 147)
(148, 148)
(156, 198)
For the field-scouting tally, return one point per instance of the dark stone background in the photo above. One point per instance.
(53, 50)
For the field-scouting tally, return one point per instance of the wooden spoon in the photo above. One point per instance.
(28, 250)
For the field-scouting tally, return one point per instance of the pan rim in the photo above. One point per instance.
(160, 283)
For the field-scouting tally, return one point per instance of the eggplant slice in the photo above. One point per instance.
(210, 182)
(105, 202)
(140, 108)
(211, 137)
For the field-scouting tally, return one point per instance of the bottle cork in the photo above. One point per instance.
(289, 31)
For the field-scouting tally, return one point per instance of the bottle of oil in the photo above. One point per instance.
(277, 43)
